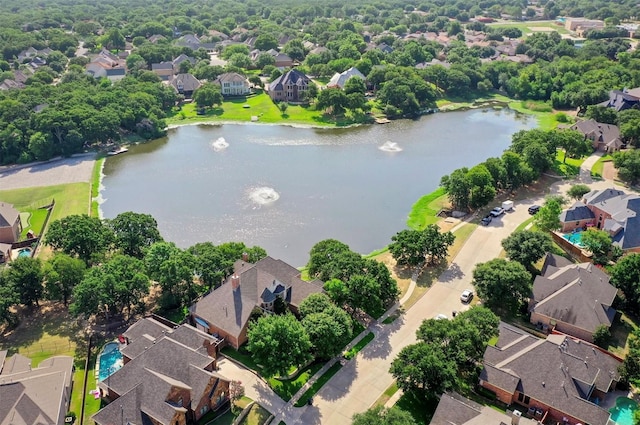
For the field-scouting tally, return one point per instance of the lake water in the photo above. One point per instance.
(286, 188)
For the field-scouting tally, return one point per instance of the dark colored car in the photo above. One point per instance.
(533, 209)
(486, 220)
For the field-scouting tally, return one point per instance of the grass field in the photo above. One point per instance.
(531, 26)
(70, 198)
(95, 186)
(569, 167)
(597, 168)
(424, 211)
(260, 105)
(359, 346)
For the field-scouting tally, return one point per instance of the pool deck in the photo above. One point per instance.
(97, 368)
(610, 399)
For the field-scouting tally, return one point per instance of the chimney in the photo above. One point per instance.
(235, 281)
(245, 257)
(515, 417)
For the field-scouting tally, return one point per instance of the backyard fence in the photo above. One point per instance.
(52, 348)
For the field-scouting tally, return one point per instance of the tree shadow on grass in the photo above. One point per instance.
(403, 272)
(420, 408)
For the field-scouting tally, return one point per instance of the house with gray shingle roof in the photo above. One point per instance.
(34, 396)
(10, 225)
(168, 377)
(225, 311)
(574, 299)
(621, 100)
(604, 137)
(289, 87)
(454, 409)
(611, 210)
(185, 84)
(233, 84)
(558, 379)
(339, 79)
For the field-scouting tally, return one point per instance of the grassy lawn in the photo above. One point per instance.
(318, 384)
(569, 167)
(421, 410)
(95, 186)
(70, 198)
(228, 417)
(424, 211)
(359, 346)
(388, 393)
(427, 277)
(596, 170)
(34, 222)
(262, 106)
(526, 27)
(622, 327)
(284, 388)
(256, 416)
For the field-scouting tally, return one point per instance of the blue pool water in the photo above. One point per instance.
(110, 361)
(25, 252)
(574, 238)
(622, 413)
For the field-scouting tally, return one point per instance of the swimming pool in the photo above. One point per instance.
(575, 238)
(109, 361)
(622, 413)
(24, 252)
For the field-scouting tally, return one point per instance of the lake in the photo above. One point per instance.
(286, 188)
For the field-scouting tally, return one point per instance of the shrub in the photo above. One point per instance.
(601, 336)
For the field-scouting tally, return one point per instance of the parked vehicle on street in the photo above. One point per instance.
(497, 211)
(507, 205)
(466, 296)
(533, 209)
(486, 220)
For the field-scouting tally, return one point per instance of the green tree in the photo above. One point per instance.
(598, 242)
(625, 275)
(424, 368)
(574, 144)
(134, 232)
(602, 336)
(527, 246)
(208, 95)
(173, 269)
(502, 284)
(630, 368)
(283, 106)
(481, 183)
(115, 40)
(329, 331)
(8, 298)
(379, 415)
(278, 343)
(265, 42)
(61, 274)
(458, 188)
(211, 264)
(601, 114)
(332, 99)
(337, 291)
(628, 165)
(548, 217)
(323, 255)
(25, 277)
(577, 191)
(629, 123)
(80, 235)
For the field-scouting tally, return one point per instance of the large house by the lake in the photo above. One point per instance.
(290, 87)
(225, 312)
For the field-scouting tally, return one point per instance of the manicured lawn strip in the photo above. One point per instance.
(359, 346)
(318, 384)
(243, 356)
(287, 389)
(392, 317)
(388, 393)
(228, 417)
(421, 410)
(424, 211)
(597, 168)
(620, 330)
(524, 224)
(262, 106)
(95, 186)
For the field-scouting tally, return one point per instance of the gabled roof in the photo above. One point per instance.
(35, 396)
(8, 215)
(577, 212)
(229, 309)
(340, 79)
(608, 134)
(292, 77)
(620, 100)
(578, 294)
(166, 358)
(228, 77)
(454, 409)
(185, 82)
(556, 371)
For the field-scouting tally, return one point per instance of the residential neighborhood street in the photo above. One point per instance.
(363, 380)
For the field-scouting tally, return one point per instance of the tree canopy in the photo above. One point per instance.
(526, 246)
(502, 284)
(414, 247)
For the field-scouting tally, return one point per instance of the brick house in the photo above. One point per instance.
(611, 210)
(10, 225)
(574, 299)
(289, 87)
(604, 137)
(168, 377)
(558, 379)
(225, 311)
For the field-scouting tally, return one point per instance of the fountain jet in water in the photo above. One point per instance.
(390, 147)
(264, 195)
(219, 144)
